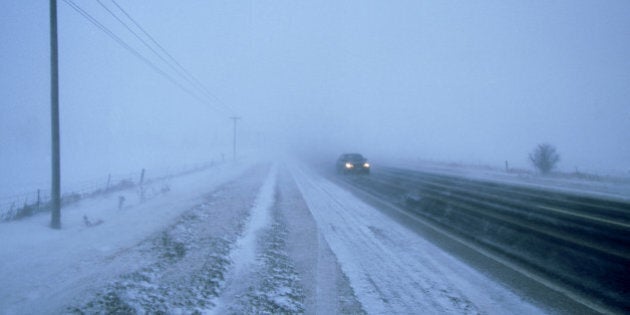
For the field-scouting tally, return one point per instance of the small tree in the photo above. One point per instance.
(544, 157)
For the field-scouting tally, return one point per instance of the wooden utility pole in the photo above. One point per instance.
(234, 118)
(55, 191)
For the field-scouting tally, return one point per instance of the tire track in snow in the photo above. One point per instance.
(326, 288)
(346, 236)
(389, 289)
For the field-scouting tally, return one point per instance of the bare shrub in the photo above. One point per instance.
(544, 157)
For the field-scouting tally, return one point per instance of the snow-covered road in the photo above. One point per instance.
(280, 265)
(393, 270)
(239, 240)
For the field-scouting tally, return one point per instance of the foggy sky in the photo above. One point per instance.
(479, 82)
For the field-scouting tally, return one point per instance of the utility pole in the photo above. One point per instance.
(55, 191)
(234, 118)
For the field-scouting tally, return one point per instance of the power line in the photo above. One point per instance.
(157, 44)
(122, 43)
(144, 42)
(134, 52)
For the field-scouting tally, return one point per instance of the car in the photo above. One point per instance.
(352, 163)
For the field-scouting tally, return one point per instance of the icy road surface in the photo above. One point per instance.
(234, 240)
(391, 269)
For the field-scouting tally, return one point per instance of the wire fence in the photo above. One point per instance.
(17, 206)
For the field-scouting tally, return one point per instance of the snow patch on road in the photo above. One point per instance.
(275, 287)
(244, 253)
(243, 256)
(326, 288)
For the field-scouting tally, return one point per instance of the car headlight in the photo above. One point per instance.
(349, 165)
(366, 165)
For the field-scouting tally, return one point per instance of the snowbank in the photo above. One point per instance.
(41, 268)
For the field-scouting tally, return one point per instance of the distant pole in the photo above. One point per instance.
(55, 221)
(38, 200)
(142, 185)
(234, 118)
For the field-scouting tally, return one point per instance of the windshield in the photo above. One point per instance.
(354, 157)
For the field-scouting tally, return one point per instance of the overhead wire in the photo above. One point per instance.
(126, 46)
(162, 49)
(140, 56)
(171, 62)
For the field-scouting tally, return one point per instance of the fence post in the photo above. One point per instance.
(38, 199)
(142, 177)
(142, 185)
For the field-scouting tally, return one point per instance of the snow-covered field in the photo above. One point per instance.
(246, 238)
(616, 186)
(43, 269)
